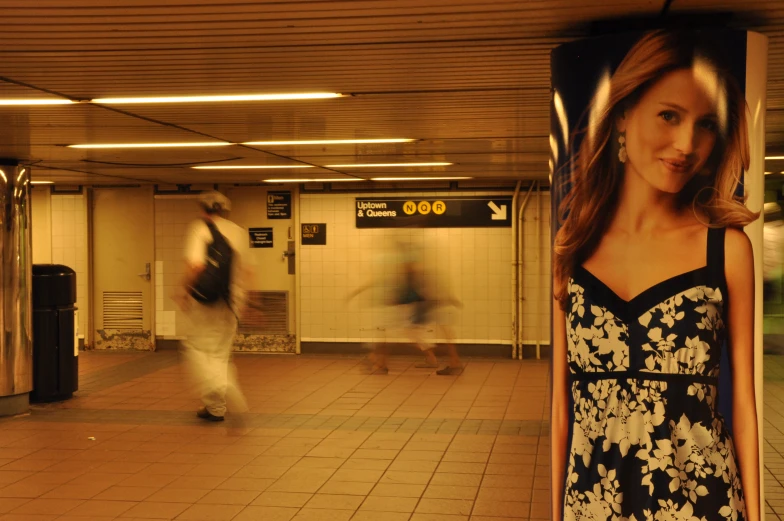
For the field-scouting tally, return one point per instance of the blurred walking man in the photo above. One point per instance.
(212, 295)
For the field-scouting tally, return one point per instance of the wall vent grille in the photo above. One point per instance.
(123, 310)
(267, 313)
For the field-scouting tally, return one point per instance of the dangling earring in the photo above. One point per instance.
(622, 150)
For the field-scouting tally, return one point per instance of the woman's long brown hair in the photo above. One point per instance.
(589, 206)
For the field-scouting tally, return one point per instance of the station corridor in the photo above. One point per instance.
(323, 442)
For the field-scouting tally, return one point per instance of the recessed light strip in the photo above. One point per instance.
(262, 143)
(247, 167)
(328, 142)
(178, 99)
(774, 158)
(155, 145)
(33, 102)
(310, 180)
(389, 165)
(418, 178)
(41, 182)
(211, 99)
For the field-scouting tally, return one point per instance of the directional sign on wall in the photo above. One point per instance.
(434, 212)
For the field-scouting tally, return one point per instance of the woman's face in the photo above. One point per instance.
(670, 132)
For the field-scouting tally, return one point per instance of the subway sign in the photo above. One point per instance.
(434, 212)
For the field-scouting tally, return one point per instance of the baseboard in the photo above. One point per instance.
(360, 348)
(529, 352)
(475, 350)
(166, 344)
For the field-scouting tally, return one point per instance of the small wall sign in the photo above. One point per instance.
(279, 205)
(260, 237)
(314, 234)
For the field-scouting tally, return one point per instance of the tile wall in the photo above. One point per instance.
(69, 246)
(473, 264)
(41, 214)
(172, 217)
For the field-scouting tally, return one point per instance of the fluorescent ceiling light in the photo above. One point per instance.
(41, 182)
(329, 142)
(208, 99)
(386, 165)
(419, 178)
(30, 102)
(310, 180)
(774, 157)
(155, 145)
(247, 167)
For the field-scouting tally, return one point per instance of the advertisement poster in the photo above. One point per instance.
(654, 338)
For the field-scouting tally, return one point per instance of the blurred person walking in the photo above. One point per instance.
(433, 311)
(212, 296)
(411, 301)
(398, 296)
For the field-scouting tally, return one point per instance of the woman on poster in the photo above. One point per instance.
(652, 274)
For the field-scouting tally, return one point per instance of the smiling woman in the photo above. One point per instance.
(644, 299)
(671, 131)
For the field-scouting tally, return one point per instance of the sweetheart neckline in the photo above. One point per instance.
(648, 290)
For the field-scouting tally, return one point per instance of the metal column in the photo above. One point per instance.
(16, 346)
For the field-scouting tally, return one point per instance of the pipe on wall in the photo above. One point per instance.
(518, 350)
(514, 268)
(539, 272)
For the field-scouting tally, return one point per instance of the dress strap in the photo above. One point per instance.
(715, 260)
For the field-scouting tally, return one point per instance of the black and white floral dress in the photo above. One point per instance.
(647, 442)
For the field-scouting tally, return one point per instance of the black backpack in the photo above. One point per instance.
(214, 282)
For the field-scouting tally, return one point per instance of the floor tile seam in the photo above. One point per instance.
(414, 390)
(419, 500)
(320, 388)
(779, 452)
(299, 509)
(476, 396)
(536, 462)
(132, 369)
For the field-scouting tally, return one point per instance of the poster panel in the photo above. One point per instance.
(655, 165)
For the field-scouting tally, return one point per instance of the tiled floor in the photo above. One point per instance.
(773, 445)
(323, 442)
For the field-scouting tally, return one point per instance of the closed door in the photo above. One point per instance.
(274, 287)
(123, 253)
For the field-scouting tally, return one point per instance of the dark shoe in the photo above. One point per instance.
(450, 370)
(204, 414)
(381, 370)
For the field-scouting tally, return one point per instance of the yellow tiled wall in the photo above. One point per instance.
(475, 264)
(172, 217)
(69, 246)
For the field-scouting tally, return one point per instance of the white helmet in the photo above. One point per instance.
(215, 201)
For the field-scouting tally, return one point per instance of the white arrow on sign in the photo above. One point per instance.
(499, 214)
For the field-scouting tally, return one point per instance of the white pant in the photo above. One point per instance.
(208, 356)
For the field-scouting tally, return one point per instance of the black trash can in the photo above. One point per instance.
(55, 353)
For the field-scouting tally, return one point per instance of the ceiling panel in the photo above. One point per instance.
(468, 79)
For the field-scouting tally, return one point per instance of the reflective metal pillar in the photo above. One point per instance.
(16, 346)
